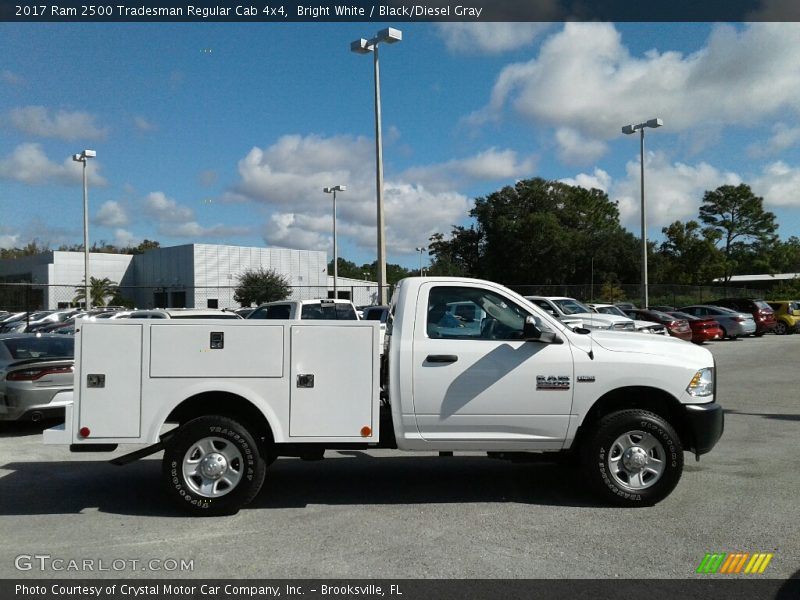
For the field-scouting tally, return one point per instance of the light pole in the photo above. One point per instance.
(333, 190)
(84, 157)
(629, 129)
(420, 250)
(362, 46)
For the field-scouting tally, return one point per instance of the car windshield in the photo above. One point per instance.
(24, 348)
(571, 307)
(762, 305)
(610, 310)
(683, 315)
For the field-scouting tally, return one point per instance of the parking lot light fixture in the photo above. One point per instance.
(333, 190)
(628, 130)
(420, 249)
(390, 35)
(84, 157)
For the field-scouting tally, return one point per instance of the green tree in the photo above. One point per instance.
(746, 231)
(261, 285)
(100, 290)
(691, 255)
(543, 232)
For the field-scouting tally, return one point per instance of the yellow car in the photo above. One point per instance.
(787, 314)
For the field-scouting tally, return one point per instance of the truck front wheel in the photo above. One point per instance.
(633, 458)
(212, 466)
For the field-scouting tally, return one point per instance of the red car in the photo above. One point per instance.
(676, 327)
(704, 329)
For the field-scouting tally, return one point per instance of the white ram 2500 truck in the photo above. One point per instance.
(511, 381)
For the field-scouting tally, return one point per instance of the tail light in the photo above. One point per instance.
(34, 373)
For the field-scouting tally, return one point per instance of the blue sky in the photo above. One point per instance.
(227, 132)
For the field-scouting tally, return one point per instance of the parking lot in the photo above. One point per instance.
(387, 514)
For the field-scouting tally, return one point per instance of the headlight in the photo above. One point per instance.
(702, 384)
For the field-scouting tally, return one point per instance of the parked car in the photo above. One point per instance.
(676, 327)
(704, 329)
(787, 316)
(33, 369)
(733, 324)
(571, 312)
(323, 308)
(663, 308)
(375, 313)
(183, 313)
(641, 326)
(763, 315)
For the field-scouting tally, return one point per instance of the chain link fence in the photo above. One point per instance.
(659, 294)
(16, 297)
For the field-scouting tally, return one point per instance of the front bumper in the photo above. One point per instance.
(705, 423)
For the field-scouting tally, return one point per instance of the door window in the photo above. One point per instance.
(474, 313)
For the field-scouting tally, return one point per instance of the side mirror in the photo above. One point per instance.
(531, 333)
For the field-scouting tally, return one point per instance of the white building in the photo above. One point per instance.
(192, 275)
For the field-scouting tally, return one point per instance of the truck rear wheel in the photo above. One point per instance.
(633, 458)
(212, 466)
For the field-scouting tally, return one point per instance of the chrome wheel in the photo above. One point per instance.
(636, 460)
(212, 467)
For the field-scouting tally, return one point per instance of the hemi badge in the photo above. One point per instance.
(552, 382)
(585, 378)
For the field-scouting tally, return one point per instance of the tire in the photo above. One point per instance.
(781, 328)
(633, 458)
(212, 466)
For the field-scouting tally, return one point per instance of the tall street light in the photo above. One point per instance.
(629, 129)
(84, 157)
(362, 46)
(420, 250)
(333, 190)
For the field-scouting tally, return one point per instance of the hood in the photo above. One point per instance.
(645, 343)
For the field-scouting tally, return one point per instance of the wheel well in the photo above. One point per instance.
(227, 405)
(651, 399)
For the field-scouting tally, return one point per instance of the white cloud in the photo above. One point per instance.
(35, 120)
(574, 148)
(584, 78)
(193, 229)
(599, 179)
(673, 191)
(166, 210)
(488, 38)
(779, 185)
(490, 165)
(125, 239)
(9, 241)
(11, 78)
(29, 164)
(143, 124)
(111, 214)
(783, 137)
(288, 178)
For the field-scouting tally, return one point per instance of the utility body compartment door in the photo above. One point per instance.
(110, 372)
(333, 381)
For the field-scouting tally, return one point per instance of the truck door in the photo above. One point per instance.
(476, 380)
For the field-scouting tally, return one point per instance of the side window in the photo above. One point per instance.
(544, 305)
(473, 313)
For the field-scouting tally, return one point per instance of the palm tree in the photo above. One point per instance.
(100, 290)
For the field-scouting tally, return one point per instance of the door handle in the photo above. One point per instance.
(441, 358)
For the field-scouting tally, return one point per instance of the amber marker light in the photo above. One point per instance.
(366, 431)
